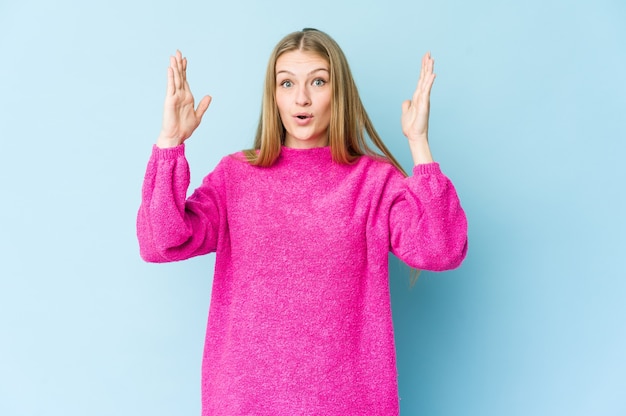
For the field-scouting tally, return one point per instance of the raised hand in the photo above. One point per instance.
(415, 113)
(180, 117)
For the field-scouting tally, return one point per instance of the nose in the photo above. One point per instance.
(303, 98)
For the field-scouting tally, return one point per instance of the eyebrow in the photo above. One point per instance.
(284, 71)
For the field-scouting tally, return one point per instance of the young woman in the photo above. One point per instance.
(300, 316)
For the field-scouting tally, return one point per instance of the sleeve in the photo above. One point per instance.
(427, 225)
(170, 226)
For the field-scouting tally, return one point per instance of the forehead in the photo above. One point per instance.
(300, 61)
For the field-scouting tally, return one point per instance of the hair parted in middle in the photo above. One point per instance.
(349, 123)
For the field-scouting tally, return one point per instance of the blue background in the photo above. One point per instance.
(527, 119)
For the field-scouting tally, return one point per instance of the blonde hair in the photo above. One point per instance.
(349, 122)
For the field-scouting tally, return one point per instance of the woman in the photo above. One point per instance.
(300, 317)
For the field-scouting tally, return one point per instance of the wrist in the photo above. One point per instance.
(165, 142)
(420, 151)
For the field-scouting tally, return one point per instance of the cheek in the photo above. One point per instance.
(327, 106)
(281, 102)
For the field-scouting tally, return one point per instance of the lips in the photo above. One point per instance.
(302, 119)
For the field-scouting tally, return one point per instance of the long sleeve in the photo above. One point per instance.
(428, 227)
(170, 226)
(300, 315)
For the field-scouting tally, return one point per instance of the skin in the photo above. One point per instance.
(303, 97)
(180, 116)
(306, 93)
(415, 113)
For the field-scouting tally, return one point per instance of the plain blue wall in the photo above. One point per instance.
(527, 119)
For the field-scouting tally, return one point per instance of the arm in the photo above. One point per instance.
(428, 227)
(170, 227)
(180, 119)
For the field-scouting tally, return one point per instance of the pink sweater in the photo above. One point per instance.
(300, 316)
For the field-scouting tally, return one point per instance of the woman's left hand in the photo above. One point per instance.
(415, 111)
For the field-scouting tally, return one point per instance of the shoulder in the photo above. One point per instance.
(236, 167)
(379, 166)
(375, 175)
(233, 162)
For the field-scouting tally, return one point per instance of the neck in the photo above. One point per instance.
(309, 143)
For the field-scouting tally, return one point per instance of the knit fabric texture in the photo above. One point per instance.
(300, 314)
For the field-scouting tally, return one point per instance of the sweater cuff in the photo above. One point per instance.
(168, 153)
(426, 168)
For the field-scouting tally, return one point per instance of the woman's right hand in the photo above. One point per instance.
(180, 117)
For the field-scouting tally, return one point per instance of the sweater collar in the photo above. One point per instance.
(314, 155)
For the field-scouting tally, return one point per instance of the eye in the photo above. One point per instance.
(286, 84)
(319, 82)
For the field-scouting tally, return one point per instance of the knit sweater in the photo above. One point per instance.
(300, 315)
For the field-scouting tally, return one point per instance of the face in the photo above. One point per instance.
(303, 96)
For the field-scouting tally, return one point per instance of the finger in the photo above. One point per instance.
(184, 70)
(419, 89)
(426, 66)
(202, 106)
(422, 78)
(430, 79)
(406, 104)
(179, 66)
(170, 81)
(176, 73)
(429, 84)
(425, 88)
(431, 64)
(422, 71)
(426, 79)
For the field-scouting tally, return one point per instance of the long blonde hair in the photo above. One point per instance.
(349, 123)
